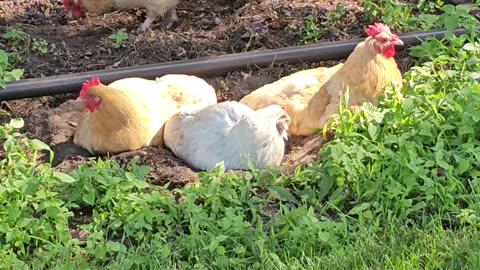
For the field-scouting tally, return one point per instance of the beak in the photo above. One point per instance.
(397, 42)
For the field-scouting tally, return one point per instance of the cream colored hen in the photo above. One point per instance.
(313, 96)
(130, 113)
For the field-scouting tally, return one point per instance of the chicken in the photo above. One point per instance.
(155, 8)
(313, 96)
(130, 113)
(230, 132)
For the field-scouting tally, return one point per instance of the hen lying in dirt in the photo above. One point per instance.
(230, 132)
(313, 96)
(130, 113)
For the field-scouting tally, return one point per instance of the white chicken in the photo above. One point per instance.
(230, 132)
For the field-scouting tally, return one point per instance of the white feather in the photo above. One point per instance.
(228, 132)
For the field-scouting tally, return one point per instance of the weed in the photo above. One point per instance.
(31, 213)
(424, 15)
(333, 17)
(40, 46)
(224, 86)
(455, 16)
(25, 42)
(7, 72)
(428, 6)
(16, 36)
(312, 32)
(118, 38)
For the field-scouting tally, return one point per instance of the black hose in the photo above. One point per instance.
(71, 83)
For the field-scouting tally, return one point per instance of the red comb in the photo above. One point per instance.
(377, 28)
(95, 81)
(75, 9)
(67, 4)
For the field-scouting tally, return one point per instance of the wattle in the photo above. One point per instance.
(78, 13)
(389, 52)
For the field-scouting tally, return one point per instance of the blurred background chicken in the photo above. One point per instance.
(154, 8)
(313, 96)
(228, 132)
(130, 113)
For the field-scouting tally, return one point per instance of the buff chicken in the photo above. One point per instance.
(155, 8)
(130, 113)
(312, 96)
(228, 132)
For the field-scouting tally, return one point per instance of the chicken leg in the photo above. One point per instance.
(172, 18)
(146, 24)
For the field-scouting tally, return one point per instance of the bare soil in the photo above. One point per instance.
(204, 28)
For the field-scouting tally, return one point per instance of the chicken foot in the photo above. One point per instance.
(146, 24)
(171, 19)
(139, 152)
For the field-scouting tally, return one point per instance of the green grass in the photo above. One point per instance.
(397, 188)
(406, 249)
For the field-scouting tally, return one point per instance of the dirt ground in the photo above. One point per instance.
(204, 28)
